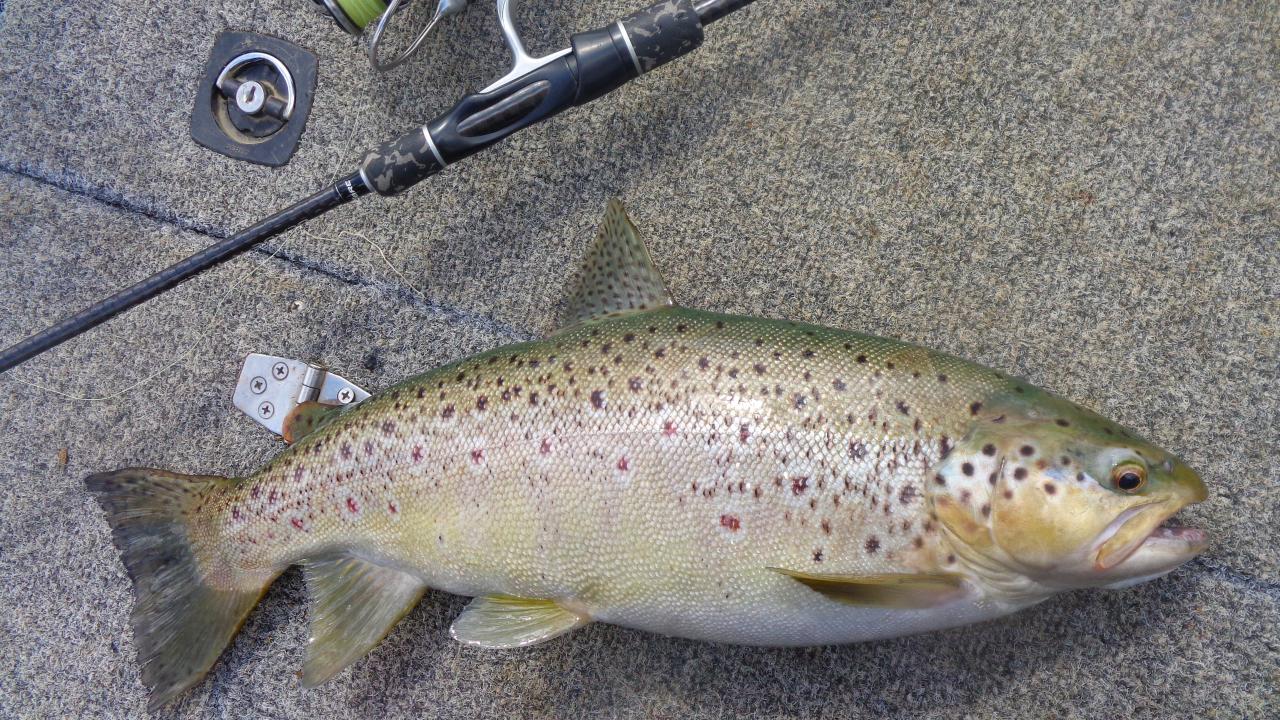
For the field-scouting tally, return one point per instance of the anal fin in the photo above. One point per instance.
(509, 622)
(892, 590)
(355, 603)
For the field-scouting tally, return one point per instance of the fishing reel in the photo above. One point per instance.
(355, 16)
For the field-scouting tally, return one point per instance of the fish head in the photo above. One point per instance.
(1075, 500)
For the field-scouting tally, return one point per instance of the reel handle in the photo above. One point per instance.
(596, 63)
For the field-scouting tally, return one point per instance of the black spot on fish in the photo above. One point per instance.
(967, 468)
(988, 449)
(597, 399)
(975, 408)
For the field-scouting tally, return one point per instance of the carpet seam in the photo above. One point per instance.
(404, 294)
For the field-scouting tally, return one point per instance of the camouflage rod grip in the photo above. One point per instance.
(662, 33)
(396, 165)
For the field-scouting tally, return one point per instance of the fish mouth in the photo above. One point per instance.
(1149, 537)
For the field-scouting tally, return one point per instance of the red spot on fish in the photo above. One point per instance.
(391, 508)
(255, 492)
(730, 522)
(346, 451)
(296, 523)
(477, 455)
(352, 505)
(623, 464)
(235, 513)
(668, 428)
(546, 447)
(272, 497)
(799, 485)
(417, 453)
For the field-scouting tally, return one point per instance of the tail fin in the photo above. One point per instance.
(181, 621)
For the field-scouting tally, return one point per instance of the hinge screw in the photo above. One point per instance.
(266, 410)
(280, 371)
(345, 396)
(258, 385)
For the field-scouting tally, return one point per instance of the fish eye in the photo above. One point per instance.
(1129, 478)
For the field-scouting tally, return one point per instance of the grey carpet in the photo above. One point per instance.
(1086, 196)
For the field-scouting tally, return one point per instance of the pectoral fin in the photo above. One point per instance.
(509, 622)
(897, 590)
(308, 417)
(354, 605)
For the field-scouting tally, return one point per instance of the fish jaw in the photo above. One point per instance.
(1141, 545)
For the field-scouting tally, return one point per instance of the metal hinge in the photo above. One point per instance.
(270, 388)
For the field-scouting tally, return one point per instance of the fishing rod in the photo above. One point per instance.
(595, 63)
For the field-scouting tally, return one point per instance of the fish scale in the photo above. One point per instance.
(709, 476)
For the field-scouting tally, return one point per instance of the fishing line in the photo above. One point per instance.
(196, 344)
(488, 323)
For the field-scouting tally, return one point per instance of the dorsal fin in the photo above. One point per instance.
(618, 275)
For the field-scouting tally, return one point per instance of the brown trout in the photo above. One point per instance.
(723, 478)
